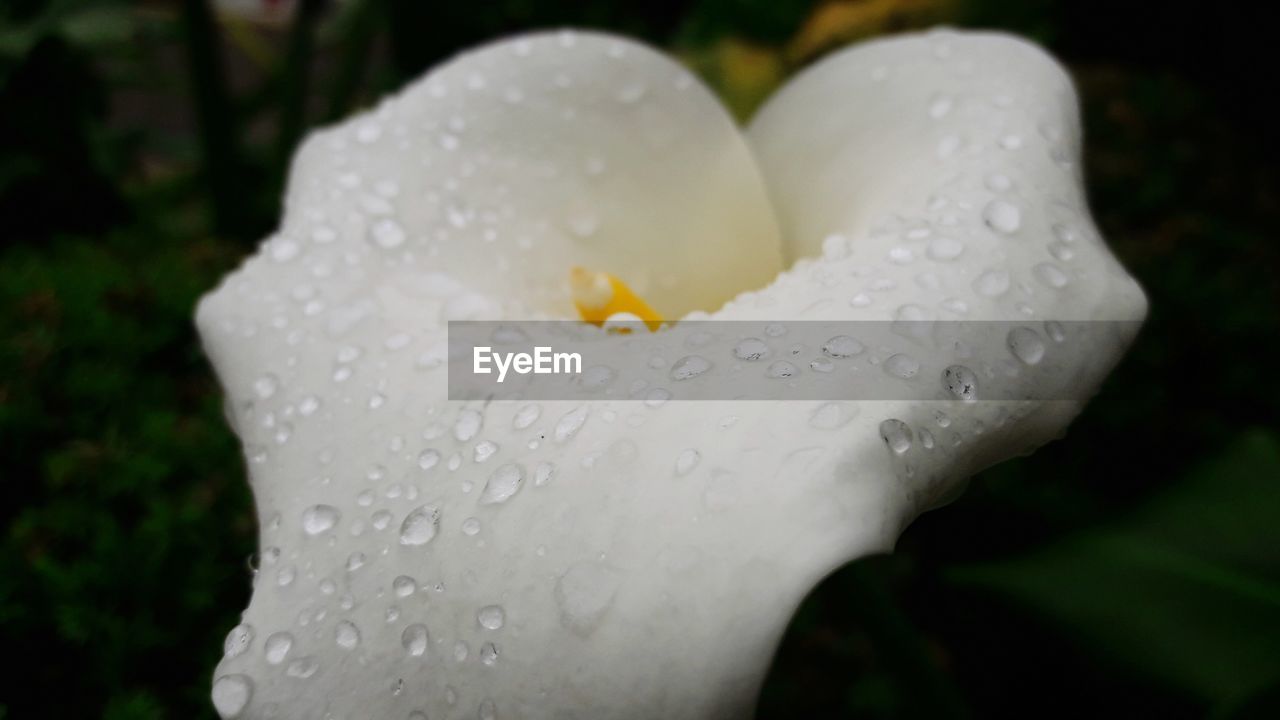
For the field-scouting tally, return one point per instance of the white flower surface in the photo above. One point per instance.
(622, 558)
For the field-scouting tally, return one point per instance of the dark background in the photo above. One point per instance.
(1131, 570)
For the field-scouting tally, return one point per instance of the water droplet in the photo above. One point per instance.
(1065, 233)
(542, 474)
(387, 234)
(266, 386)
(1061, 251)
(944, 248)
(961, 382)
(1011, 141)
(526, 416)
(414, 639)
(782, 370)
(1002, 216)
(404, 586)
(751, 349)
(841, 346)
(570, 423)
(830, 416)
(420, 526)
(902, 366)
(631, 93)
(1026, 345)
(277, 647)
(347, 635)
(689, 366)
(468, 425)
(1050, 275)
(896, 435)
(484, 450)
(302, 668)
(583, 223)
(319, 518)
(596, 377)
(231, 694)
(584, 592)
(687, 460)
(238, 640)
(502, 484)
(997, 182)
(491, 617)
(428, 459)
(355, 561)
(489, 654)
(992, 283)
(471, 526)
(368, 132)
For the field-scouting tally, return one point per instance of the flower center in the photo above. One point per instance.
(601, 297)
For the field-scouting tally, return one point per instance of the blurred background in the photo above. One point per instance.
(1132, 570)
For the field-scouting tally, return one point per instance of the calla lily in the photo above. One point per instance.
(622, 558)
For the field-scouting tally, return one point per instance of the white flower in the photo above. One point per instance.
(615, 558)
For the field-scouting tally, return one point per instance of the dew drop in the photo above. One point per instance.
(319, 518)
(231, 694)
(830, 416)
(1050, 275)
(689, 366)
(414, 640)
(1002, 216)
(1026, 345)
(484, 450)
(467, 425)
(944, 248)
(526, 416)
(961, 382)
(687, 460)
(491, 617)
(542, 474)
(584, 593)
(420, 526)
(751, 349)
(896, 435)
(502, 484)
(387, 234)
(404, 586)
(782, 370)
(266, 386)
(238, 640)
(992, 283)
(902, 366)
(346, 635)
(841, 346)
(302, 668)
(428, 459)
(570, 423)
(277, 647)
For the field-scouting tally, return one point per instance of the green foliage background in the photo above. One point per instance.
(1130, 570)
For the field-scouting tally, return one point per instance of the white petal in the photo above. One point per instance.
(632, 581)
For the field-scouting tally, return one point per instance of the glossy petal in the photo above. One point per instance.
(617, 559)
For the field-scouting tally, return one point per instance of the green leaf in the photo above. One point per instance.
(1185, 590)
